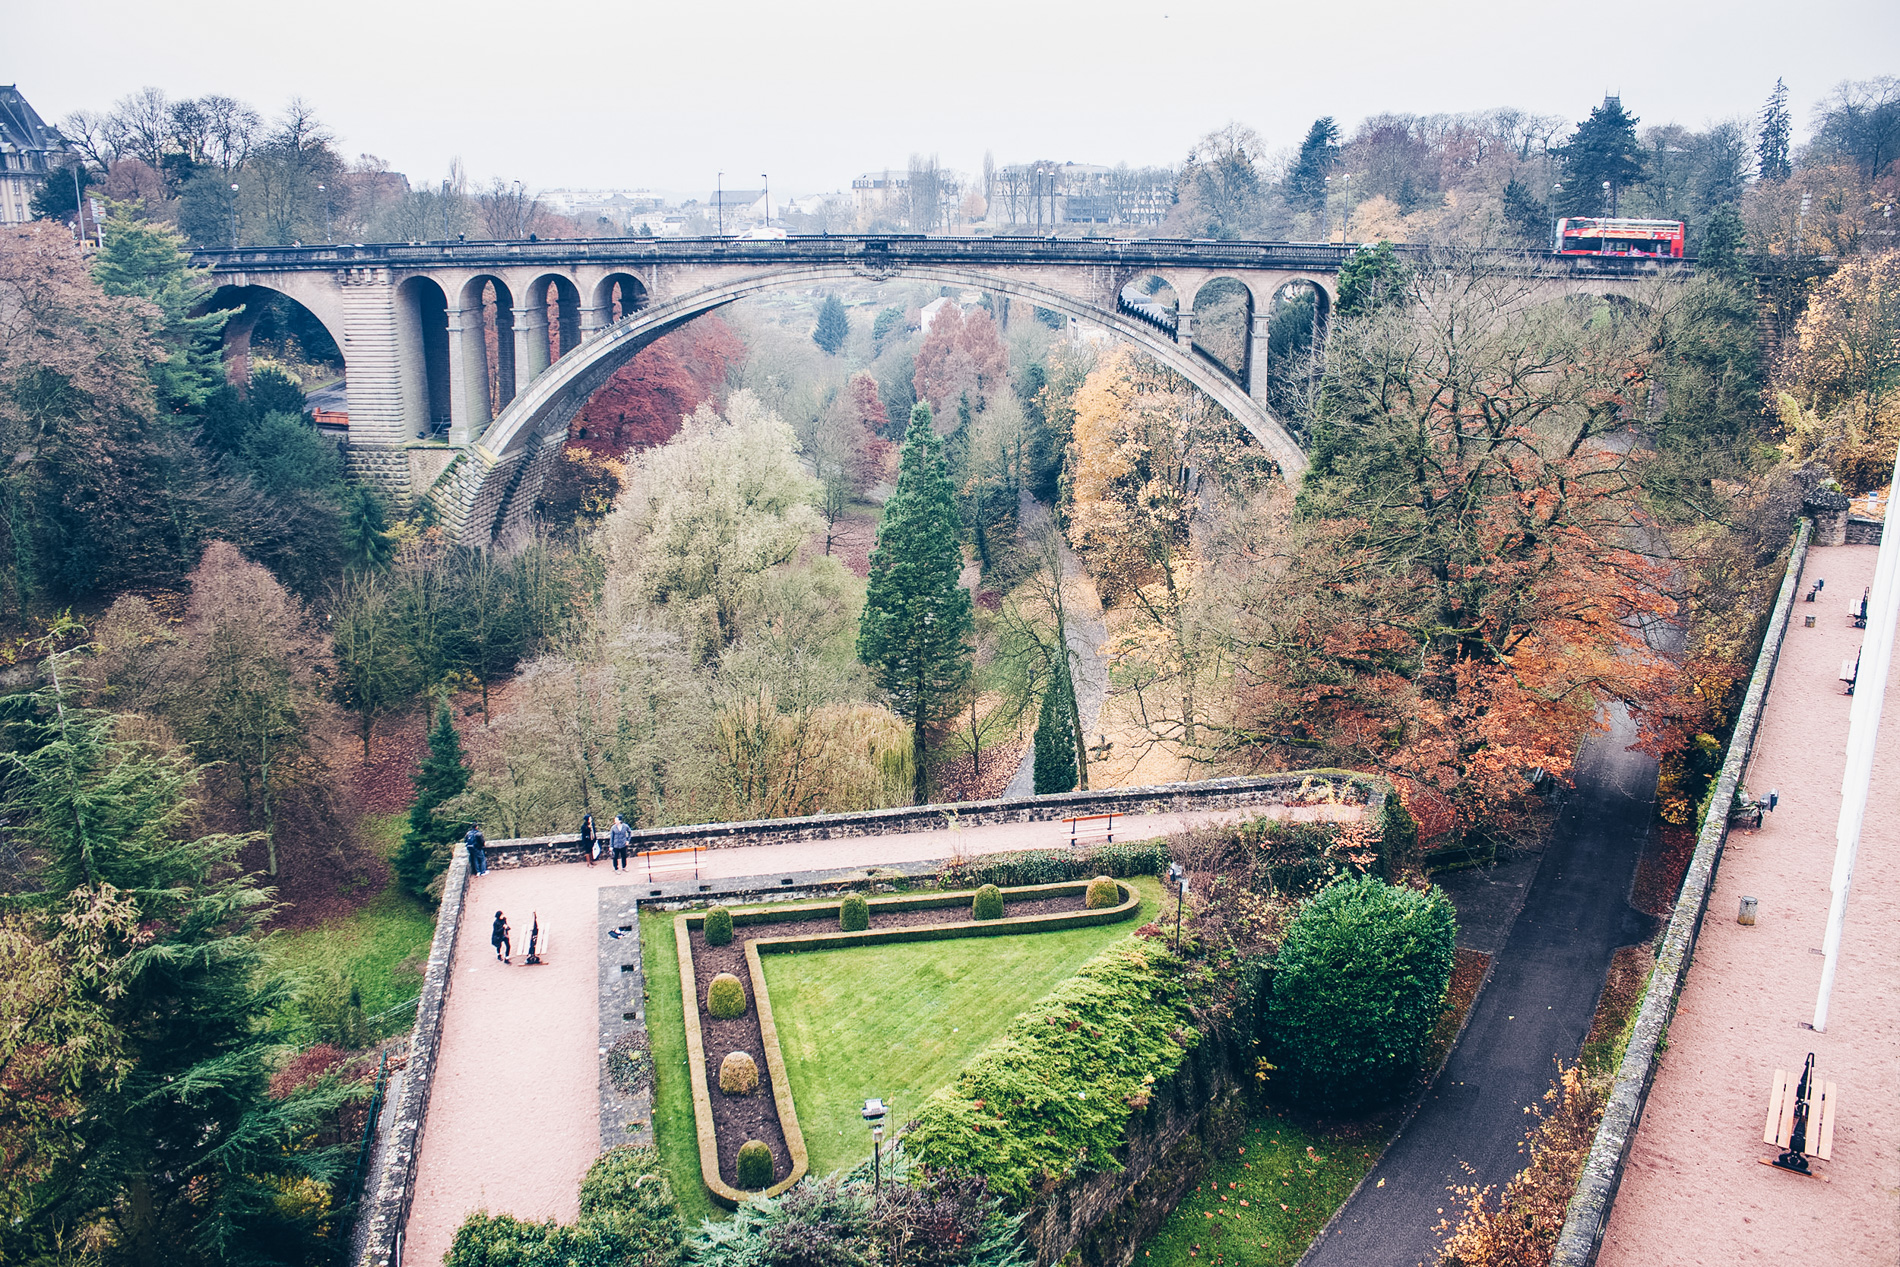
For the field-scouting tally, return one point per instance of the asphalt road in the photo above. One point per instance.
(1537, 1006)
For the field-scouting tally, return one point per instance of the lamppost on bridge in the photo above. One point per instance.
(326, 211)
(79, 204)
(234, 209)
(1326, 212)
(1610, 190)
(719, 202)
(768, 198)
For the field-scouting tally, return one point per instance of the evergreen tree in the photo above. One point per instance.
(366, 543)
(425, 847)
(1055, 737)
(1372, 277)
(1720, 250)
(148, 261)
(1306, 183)
(833, 327)
(1527, 215)
(917, 623)
(186, 1158)
(1603, 148)
(1772, 157)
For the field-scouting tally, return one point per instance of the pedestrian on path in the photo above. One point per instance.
(617, 836)
(477, 850)
(589, 844)
(498, 937)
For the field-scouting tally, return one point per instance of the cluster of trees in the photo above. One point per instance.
(224, 175)
(1408, 177)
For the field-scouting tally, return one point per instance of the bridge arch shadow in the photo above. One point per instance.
(277, 319)
(491, 491)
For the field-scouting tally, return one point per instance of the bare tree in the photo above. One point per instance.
(508, 211)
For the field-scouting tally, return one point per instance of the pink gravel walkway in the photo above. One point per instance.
(1694, 1192)
(513, 1120)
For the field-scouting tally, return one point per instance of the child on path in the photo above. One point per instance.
(498, 937)
(618, 836)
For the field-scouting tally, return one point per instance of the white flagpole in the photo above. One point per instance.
(1863, 732)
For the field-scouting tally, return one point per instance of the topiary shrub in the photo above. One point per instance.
(755, 1164)
(854, 914)
(988, 903)
(1358, 986)
(738, 1074)
(718, 927)
(725, 997)
(1103, 891)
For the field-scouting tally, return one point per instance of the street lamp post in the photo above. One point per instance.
(79, 207)
(1177, 877)
(768, 198)
(874, 1111)
(234, 209)
(1609, 191)
(719, 203)
(445, 211)
(326, 211)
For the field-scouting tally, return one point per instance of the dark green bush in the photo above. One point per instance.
(1053, 866)
(1102, 892)
(988, 903)
(718, 927)
(1054, 1095)
(755, 1165)
(854, 914)
(628, 1216)
(725, 997)
(1358, 986)
(628, 1186)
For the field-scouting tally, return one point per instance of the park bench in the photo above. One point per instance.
(1800, 1119)
(1850, 670)
(1078, 833)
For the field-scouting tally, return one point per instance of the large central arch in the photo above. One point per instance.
(550, 402)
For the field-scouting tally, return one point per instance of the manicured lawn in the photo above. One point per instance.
(382, 947)
(673, 1130)
(1261, 1205)
(899, 1021)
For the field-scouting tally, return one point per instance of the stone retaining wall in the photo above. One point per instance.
(1862, 531)
(388, 1210)
(1589, 1212)
(1166, 798)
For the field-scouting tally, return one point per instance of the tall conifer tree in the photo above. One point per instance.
(424, 851)
(1772, 141)
(1603, 148)
(917, 623)
(1055, 737)
(833, 327)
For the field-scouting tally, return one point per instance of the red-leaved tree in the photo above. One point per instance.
(644, 401)
(962, 354)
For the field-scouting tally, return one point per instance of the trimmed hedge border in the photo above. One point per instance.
(683, 923)
(1589, 1213)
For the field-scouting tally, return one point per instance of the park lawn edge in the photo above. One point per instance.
(704, 1129)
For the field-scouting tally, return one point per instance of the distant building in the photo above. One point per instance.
(881, 195)
(29, 151)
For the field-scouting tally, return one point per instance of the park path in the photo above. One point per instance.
(1693, 1191)
(1087, 638)
(513, 1118)
(1536, 1008)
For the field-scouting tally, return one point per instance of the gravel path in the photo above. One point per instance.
(1087, 637)
(1694, 1192)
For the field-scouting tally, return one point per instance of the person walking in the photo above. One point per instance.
(589, 845)
(617, 837)
(477, 850)
(498, 937)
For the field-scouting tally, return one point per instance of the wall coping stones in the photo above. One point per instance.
(1589, 1212)
(626, 1117)
(388, 1212)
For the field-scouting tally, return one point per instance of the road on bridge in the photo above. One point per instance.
(1536, 1007)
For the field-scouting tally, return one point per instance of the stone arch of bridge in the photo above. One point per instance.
(547, 405)
(549, 322)
(422, 341)
(236, 335)
(482, 329)
(1224, 308)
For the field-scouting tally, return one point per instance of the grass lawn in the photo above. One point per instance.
(899, 1021)
(673, 1130)
(1261, 1206)
(368, 945)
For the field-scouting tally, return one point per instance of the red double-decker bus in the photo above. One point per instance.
(1601, 235)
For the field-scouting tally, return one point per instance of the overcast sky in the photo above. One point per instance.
(663, 95)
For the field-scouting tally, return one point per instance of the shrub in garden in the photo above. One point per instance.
(854, 914)
(628, 1215)
(1103, 891)
(755, 1164)
(1053, 866)
(988, 903)
(1358, 986)
(718, 927)
(725, 997)
(738, 1074)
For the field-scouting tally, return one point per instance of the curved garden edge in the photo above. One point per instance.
(722, 1192)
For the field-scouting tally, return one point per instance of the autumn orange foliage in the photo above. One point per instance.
(644, 401)
(962, 354)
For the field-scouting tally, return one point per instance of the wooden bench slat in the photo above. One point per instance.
(1824, 1147)
(1771, 1133)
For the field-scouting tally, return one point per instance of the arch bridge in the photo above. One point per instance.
(465, 362)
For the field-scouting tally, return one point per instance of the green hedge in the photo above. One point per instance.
(725, 997)
(628, 1216)
(854, 914)
(718, 927)
(755, 1165)
(1358, 986)
(1052, 866)
(1053, 1095)
(1102, 892)
(987, 904)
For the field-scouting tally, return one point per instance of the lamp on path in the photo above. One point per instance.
(874, 1111)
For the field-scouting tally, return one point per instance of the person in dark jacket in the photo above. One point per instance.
(617, 836)
(589, 845)
(498, 937)
(477, 850)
